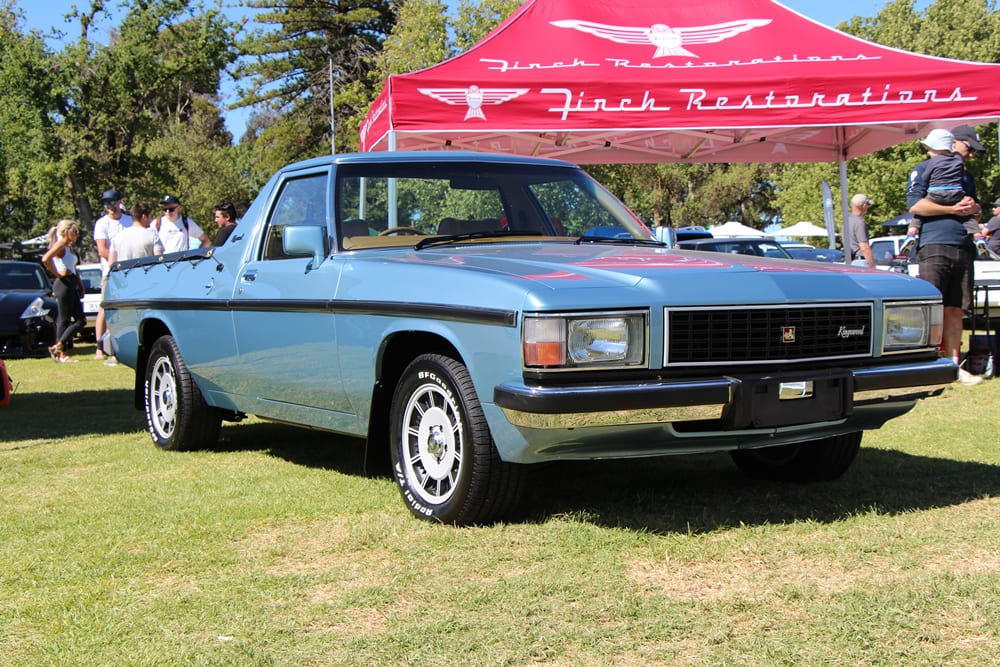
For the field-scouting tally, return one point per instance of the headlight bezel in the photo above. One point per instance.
(35, 309)
(558, 342)
(901, 332)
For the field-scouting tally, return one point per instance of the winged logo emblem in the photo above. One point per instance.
(473, 97)
(668, 41)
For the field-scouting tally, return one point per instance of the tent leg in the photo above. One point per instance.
(845, 229)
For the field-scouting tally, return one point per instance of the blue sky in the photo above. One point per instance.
(48, 14)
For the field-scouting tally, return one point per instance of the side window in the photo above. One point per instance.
(883, 252)
(301, 201)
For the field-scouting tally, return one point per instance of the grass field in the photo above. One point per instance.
(274, 549)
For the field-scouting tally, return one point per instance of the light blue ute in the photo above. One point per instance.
(471, 314)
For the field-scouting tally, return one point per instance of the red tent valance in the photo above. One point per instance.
(605, 81)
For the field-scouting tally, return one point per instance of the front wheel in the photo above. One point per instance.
(177, 416)
(443, 456)
(817, 460)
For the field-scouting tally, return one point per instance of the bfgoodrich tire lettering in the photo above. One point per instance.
(443, 456)
(176, 414)
(812, 461)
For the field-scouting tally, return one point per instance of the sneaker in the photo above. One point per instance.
(908, 244)
(967, 378)
(110, 361)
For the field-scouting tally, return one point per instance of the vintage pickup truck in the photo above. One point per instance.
(470, 315)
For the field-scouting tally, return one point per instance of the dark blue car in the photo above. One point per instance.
(806, 251)
(27, 310)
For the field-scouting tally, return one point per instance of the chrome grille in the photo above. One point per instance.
(746, 335)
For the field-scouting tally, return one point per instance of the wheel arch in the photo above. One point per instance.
(395, 353)
(149, 331)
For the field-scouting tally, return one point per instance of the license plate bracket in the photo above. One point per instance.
(788, 400)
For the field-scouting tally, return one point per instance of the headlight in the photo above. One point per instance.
(35, 309)
(912, 325)
(584, 341)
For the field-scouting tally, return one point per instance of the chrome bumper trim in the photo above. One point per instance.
(673, 402)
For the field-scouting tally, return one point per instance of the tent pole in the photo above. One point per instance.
(392, 193)
(845, 229)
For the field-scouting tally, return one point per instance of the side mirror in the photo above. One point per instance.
(303, 241)
(666, 235)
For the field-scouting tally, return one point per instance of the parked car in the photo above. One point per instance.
(888, 257)
(759, 247)
(27, 310)
(671, 236)
(91, 276)
(456, 311)
(812, 253)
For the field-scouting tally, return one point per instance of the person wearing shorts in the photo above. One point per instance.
(946, 253)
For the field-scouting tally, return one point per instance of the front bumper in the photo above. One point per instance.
(725, 403)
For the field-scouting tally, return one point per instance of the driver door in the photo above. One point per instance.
(285, 331)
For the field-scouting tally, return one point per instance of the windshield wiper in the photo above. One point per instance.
(612, 239)
(454, 238)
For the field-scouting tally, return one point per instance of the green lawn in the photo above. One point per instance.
(274, 549)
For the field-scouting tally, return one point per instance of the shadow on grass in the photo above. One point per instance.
(35, 416)
(301, 446)
(678, 494)
(694, 494)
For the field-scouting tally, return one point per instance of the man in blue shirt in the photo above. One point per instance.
(946, 253)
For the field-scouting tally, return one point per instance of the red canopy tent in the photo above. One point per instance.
(600, 81)
(613, 81)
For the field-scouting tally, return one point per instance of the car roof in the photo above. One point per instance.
(425, 156)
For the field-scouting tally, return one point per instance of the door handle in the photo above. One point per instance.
(249, 276)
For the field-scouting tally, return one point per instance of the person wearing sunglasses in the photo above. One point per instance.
(106, 228)
(177, 231)
(946, 251)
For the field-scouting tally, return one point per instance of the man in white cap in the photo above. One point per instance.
(861, 250)
(946, 252)
(942, 173)
(106, 228)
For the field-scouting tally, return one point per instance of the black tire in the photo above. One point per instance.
(443, 457)
(177, 416)
(817, 460)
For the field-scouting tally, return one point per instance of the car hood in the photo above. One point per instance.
(17, 300)
(682, 276)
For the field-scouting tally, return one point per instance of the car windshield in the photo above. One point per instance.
(22, 277)
(389, 204)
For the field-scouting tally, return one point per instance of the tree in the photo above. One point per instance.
(963, 29)
(83, 119)
(30, 184)
(288, 69)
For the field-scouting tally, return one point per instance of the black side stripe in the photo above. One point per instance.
(492, 316)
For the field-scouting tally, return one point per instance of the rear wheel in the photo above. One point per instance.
(443, 456)
(177, 416)
(812, 461)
